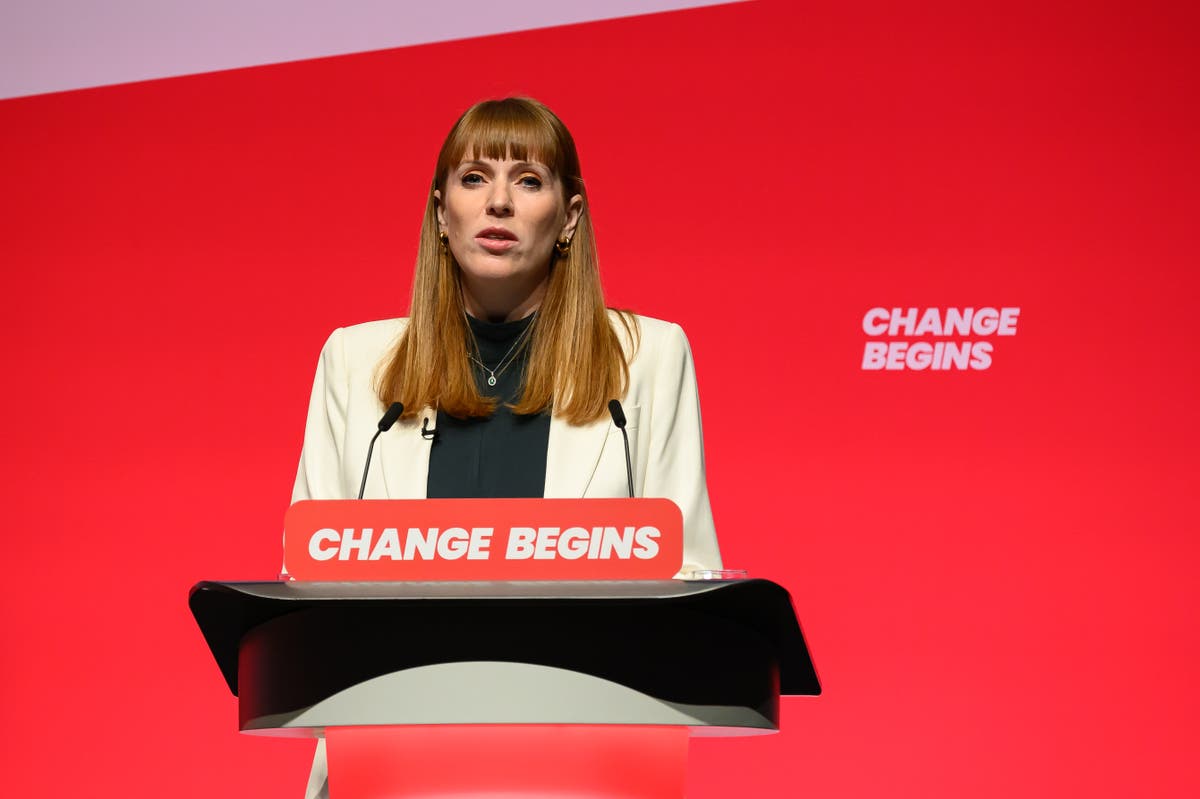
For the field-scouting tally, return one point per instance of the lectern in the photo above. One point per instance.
(585, 689)
(516, 647)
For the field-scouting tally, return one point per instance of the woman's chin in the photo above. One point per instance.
(500, 270)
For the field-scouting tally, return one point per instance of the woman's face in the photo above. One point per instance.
(501, 219)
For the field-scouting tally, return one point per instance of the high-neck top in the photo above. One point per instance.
(503, 455)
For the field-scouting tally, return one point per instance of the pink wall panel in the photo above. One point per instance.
(60, 45)
(995, 568)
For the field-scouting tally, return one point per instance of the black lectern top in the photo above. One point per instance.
(545, 622)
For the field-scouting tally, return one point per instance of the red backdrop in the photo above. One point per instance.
(995, 568)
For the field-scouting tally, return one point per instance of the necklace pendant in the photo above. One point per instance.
(491, 379)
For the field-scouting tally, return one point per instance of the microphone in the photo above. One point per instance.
(618, 417)
(389, 418)
(428, 433)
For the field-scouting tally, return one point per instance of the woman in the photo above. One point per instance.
(508, 361)
(509, 353)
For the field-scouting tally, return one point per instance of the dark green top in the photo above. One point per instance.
(503, 455)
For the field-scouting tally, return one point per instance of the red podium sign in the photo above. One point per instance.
(483, 539)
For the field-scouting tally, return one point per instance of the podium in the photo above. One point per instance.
(440, 688)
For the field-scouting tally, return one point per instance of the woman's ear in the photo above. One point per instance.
(574, 209)
(441, 212)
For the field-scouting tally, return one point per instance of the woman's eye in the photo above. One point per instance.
(472, 179)
(530, 181)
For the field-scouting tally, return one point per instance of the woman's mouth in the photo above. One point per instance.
(496, 240)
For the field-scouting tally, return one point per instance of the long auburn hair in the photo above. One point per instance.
(575, 363)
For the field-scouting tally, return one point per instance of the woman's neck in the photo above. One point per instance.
(501, 301)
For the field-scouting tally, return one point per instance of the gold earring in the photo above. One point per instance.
(562, 247)
(444, 239)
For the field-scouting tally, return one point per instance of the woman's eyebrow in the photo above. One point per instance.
(517, 166)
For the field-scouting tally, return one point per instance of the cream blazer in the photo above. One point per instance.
(662, 411)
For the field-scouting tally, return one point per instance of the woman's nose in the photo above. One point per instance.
(500, 200)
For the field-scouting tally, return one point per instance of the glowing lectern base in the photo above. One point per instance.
(509, 761)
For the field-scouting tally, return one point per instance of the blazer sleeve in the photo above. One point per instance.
(675, 465)
(319, 474)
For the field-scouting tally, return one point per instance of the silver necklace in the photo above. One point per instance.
(509, 357)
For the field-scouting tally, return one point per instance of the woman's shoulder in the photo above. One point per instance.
(638, 332)
(364, 343)
(383, 330)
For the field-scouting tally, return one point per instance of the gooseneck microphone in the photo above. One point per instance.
(389, 418)
(618, 416)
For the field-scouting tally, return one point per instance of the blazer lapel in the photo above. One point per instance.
(404, 458)
(571, 457)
